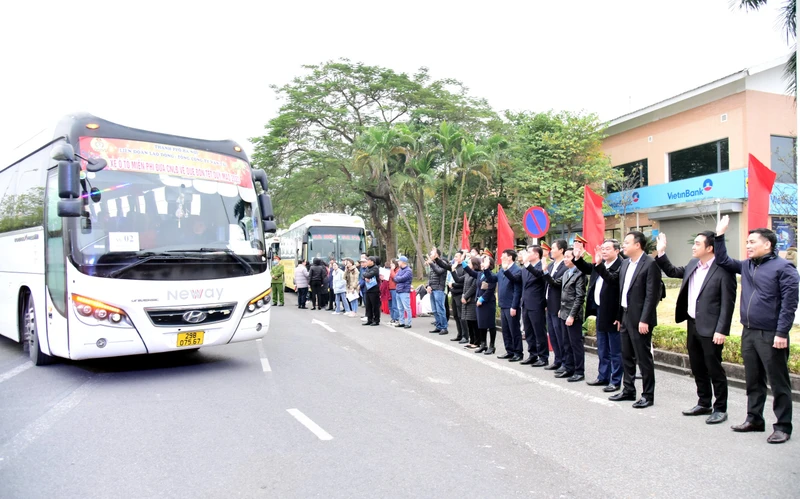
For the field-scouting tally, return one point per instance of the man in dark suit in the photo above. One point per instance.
(602, 301)
(553, 301)
(509, 293)
(705, 301)
(639, 280)
(573, 291)
(533, 307)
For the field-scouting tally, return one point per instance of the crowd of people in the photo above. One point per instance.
(544, 293)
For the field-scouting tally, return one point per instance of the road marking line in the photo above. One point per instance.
(263, 354)
(13, 372)
(511, 370)
(39, 427)
(330, 329)
(312, 426)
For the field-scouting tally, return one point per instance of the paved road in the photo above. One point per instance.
(387, 413)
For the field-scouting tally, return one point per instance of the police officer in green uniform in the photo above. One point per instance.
(277, 281)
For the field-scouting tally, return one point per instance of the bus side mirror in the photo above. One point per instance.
(70, 208)
(270, 227)
(69, 180)
(265, 204)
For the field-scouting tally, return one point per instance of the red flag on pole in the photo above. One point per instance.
(594, 224)
(760, 180)
(505, 236)
(465, 234)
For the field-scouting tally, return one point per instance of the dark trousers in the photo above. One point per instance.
(373, 301)
(536, 334)
(302, 296)
(471, 331)
(482, 336)
(554, 331)
(609, 354)
(636, 349)
(316, 295)
(455, 305)
(706, 360)
(575, 335)
(512, 337)
(330, 299)
(763, 362)
(567, 357)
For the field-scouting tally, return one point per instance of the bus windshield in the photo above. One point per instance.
(136, 213)
(336, 243)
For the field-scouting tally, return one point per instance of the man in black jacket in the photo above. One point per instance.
(558, 337)
(602, 301)
(436, 285)
(639, 280)
(456, 289)
(706, 302)
(769, 301)
(533, 308)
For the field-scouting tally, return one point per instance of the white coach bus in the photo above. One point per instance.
(323, 235)
(119, 241)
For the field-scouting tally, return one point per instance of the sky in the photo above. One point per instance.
(203, 68)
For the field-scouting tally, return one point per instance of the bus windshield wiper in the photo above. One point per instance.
(244, 263)
(146, 257)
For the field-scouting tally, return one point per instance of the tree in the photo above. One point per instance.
(788, 18)
(554, 155)
(323, 115)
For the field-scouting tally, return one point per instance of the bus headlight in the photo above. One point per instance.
(94, 312)
(259, 303)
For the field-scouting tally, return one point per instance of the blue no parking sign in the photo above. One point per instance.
(536, 222)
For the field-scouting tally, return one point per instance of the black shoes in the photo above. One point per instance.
(529, 361)
(489, 351)
(367, 324)
(506, 356)
(443, 332)
(597, 382)
(642, 403)
(717, 417)
(375, 324)
(463, 341)
(778, 437)
(622, 396)
(697, 410)
(435, 331)
(482, 348)
(540, 363)
(553, 367)
(747, 427)
(611, 388)
(515, 358)
(457, 338)
(563, 374)
(576, 377)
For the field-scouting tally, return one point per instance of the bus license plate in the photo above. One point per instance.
(190, 339)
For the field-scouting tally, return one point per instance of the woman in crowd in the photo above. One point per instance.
(372, 297)
(317, 276)
(394, 306)
(351, 285)
(301, 283)
(469, 314)
(486, 303)
(339, 290)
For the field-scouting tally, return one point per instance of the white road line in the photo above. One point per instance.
(39, 427)
(13, 372)
(264, 361)
(327, 327)
(510, 370)
(306, 421)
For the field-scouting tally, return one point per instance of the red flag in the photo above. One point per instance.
(760, 180)
(465, 234)
(505, 236)
(594, 224)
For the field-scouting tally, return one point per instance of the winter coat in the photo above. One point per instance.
(317, 274)
(469, 293)
(403, 279)
(372, 273)
(339, 284)
(437, 277)
(351, 280)
(301, 276)
(486, 312)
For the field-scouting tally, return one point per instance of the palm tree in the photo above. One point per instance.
(789, 21)
(450, 139)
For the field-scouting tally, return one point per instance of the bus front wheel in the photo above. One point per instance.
(30, 333)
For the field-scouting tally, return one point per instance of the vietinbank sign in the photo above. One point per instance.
(725, 185)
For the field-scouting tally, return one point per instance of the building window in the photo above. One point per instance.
(634, 177)
(783, 161)
(699, 160)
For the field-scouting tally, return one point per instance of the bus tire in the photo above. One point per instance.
(30, 333)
